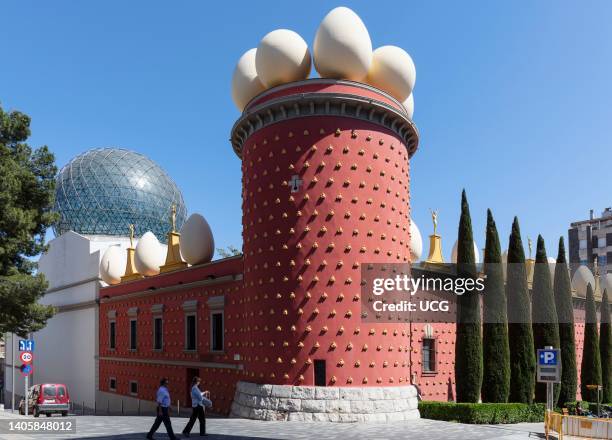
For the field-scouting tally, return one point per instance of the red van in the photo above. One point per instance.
(47, 398)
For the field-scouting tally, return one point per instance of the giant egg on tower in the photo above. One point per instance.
(342, 46)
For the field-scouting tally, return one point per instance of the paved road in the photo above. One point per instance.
(124, 428)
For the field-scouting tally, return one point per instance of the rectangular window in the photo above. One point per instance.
(133, 333)
(112, 384)
(320, 378)
(582, 244)
(217, 331)
(133, 387)
(190, 332)
(157, 333)
(608, 239)
(429, 355)
(601, 242)
(112, 335)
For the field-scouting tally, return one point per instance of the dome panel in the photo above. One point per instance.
(104, 190)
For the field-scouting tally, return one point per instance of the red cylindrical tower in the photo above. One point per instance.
(325, 189)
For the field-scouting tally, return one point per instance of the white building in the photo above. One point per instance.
(99, 194)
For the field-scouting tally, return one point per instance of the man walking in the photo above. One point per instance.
(163, 410)
(199, 400)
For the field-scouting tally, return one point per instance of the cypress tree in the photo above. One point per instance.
(565, 315)
(520, 334)
(605, 348)
(590, 373)
(543, 313)
(495, 349)
(468, 347)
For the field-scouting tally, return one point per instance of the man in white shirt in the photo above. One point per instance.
(199, 400)
(163, 410)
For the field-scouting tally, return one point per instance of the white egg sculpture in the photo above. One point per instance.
(606, 284)
(112, 264)
(409, 105)
(581, 279)
(454, 254)
(245, 82)
(149, 255)
(551, 265)
(342, 47)
(197, 242)
(281, 57)
(416, 242)
(393, 71)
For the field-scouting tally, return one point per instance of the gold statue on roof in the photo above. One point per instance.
(174, 260)
(529, 244)
(173, 217)
(434, 219)
(131, 235)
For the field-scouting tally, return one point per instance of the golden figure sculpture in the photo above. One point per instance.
(173, 217)
(131, 235)
(434, 219)
(529, 244)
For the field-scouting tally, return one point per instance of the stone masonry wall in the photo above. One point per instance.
(324, 404)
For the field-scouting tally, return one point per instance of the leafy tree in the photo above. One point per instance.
(520, 333)
(230, 251)
(590, 372)
(543, 312)
(468, 347)
(565, 315)
(26, 198)
(605, 348)
(495, 348)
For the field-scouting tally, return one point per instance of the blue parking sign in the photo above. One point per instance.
(26, 345)
(548, 357)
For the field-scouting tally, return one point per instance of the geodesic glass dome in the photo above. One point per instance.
(104, 190)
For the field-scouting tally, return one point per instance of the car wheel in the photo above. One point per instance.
(36, 412)
(48, 414)
(64, 413)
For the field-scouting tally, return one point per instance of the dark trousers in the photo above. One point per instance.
(162, 416)
(196, 413)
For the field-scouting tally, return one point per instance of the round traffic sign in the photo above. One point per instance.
(26, 357)
(26, 369)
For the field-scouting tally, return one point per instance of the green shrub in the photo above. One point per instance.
(591, 406)
(482, 413)
(572, 406)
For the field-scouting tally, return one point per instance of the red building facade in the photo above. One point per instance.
(326, 189)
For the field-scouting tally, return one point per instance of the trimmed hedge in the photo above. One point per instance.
(482, 413)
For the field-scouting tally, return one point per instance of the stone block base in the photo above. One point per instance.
(324, 404)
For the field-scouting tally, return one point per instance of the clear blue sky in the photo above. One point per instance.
(512, 97)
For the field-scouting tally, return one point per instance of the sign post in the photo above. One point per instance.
(25, 398)
(13, 372)
(26, 370)
(599, 389)
(26, 346)
(549, 372)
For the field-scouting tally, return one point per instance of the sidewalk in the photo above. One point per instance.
(128, 427)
